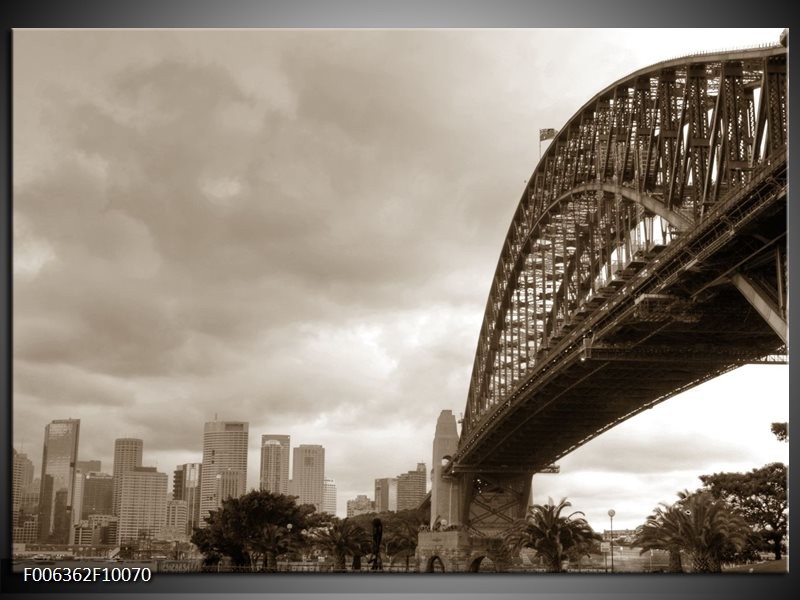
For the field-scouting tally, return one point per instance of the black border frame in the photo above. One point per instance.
(365, 14)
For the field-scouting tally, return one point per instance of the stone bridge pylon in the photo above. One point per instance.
(470, 512)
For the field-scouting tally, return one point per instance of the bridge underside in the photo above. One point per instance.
(697, 328)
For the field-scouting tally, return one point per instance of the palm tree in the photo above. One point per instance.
(342, 538)
(274, 541)
(550, 533)
(662, 531)
(705, 528)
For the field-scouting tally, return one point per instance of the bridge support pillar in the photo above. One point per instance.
(470, 511)
(446, 492)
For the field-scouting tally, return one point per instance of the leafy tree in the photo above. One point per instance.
(760, 496)
(550, 533)
(704, 527)
(342, 538)
(781, 431)
(254, 526)
(401, 533)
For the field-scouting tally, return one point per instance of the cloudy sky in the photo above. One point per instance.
(299, 229)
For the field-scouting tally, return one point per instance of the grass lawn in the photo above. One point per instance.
(769, 566)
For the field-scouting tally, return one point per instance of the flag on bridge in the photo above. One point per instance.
(547, 134)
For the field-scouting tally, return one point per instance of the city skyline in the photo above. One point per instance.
(131, 451)
(298, 229)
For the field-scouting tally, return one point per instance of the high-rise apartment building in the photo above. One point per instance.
(386, 494)
(127, 456)
(411, 488)
(98, 495)
(360, 505)
(58, 476)
(143, 504)
(329, 497)
(308, 475)
(275, 463)
(186, 487)
(224, 449)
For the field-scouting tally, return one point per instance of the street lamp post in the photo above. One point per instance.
(611, 514)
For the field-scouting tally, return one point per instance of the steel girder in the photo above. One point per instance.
(633, 177)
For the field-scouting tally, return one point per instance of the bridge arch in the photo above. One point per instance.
(644, 181)
(435, 565)
(482, 563)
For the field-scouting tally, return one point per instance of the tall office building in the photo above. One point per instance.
(308, 475)
(360, 505)
(386, 494)
(59, 456)
(142, 504)
(29, 499)
(186, 487)
(77, 497)
(98, 495)
(275, 463)
(224, 449)
(16, 482)
(127, 456)
(228, 485)
(329, 497)
(411, 488)
(22, 477)
(177, 517)
(90, 466)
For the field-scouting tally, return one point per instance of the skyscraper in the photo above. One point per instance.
(186, 486)
(329, 497)
(224, 449)
(98, 495)
(18, 484)
(58, 476)
(385, 494)
(127, 456)
(143, 504)
(177, 518)
(275, 463)
(411, 488)
(308, 474)
(22, 476)
(77, 497)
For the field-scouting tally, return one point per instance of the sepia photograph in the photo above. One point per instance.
(399, 301)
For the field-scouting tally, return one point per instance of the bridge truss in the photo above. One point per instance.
(647, 255)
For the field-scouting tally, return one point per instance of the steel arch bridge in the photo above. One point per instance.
(647, 255)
